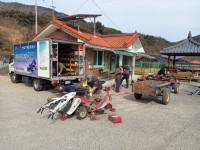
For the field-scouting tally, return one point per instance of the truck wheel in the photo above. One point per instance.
(37, 85)
(166, 96)
(82, 113)
(176, 89)
(13, 78)
(137, 96)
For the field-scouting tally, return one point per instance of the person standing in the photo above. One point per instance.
(118, 77)
(126, 74)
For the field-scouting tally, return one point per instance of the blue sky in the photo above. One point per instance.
(169, 19)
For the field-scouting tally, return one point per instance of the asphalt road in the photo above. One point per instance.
(147, 124)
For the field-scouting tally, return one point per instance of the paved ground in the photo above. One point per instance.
(147, 124)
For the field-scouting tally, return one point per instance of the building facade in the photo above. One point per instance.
(102, 51)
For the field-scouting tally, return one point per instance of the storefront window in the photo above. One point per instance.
(98, 58)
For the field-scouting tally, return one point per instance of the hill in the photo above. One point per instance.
(18, 25)
(42, 11)
(197, 38)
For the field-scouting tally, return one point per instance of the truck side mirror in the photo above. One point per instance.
(11, 59)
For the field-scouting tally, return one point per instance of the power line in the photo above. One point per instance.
(80, 6)
(46, 3)
(52, 6)
(106, 15)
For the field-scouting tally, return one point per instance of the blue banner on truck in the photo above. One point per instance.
(25, 58)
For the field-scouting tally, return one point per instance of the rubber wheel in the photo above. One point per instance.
(13, 78)
(137, 96)
(82, 113)
(37, 85)
(166, 96)
(176, 89)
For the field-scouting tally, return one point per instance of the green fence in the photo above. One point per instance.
(148, 67)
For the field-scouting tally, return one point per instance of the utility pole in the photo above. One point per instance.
(36, 17)
(53, 7)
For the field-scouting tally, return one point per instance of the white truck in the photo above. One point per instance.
(37, 62)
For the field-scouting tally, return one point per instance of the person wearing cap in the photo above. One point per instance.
(94, 82)
(162, 71)
(118, 77)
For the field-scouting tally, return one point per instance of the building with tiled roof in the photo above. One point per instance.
(188, 47)
(102, 51)
(195, 62)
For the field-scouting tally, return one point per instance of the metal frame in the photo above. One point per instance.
(70, 77)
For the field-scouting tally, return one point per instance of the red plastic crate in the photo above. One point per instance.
(115, 119)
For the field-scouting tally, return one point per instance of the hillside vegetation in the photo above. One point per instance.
(18, 25)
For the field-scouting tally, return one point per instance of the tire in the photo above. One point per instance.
(176, 89)
(137, 96)
(82, 113)
(13, 78)
(166, 96)
(37, 85)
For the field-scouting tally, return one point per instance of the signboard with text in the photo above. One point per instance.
(43, 59)
(25, 58)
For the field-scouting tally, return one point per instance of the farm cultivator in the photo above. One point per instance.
(80, 105)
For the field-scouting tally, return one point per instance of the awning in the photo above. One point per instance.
(145, 55)
(124, 53)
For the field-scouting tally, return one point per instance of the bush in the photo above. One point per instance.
(25, 19)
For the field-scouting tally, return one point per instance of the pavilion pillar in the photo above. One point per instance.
(174, 61)
(169, 63)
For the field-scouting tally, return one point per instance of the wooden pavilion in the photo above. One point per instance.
(188, 47)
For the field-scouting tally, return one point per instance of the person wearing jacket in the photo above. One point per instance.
(126, 74)
(94, 82)
(118, 77)
(162, 71)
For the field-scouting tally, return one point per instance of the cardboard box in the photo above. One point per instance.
(77, 47)
(76, 53)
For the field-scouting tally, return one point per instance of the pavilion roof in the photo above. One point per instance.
(188, 47)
